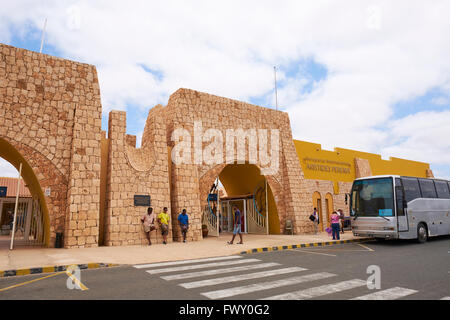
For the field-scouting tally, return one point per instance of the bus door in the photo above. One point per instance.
(402, 216)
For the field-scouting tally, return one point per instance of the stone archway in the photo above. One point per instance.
(317, 203)
(275, 188)
(39, 175)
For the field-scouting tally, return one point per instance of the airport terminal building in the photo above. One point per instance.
(92, 187)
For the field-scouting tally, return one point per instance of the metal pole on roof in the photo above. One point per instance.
(276, 90)
(43, 35)
(15, 208)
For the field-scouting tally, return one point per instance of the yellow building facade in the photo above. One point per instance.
(329, 174)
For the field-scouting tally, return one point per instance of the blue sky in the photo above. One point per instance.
(364, 75)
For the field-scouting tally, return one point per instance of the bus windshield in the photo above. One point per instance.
(372, 198)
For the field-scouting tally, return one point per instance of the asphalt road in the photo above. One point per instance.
(407, 270)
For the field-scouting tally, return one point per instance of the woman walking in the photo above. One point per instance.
(335, 224)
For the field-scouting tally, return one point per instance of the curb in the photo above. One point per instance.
(303, 245)
(31, 271)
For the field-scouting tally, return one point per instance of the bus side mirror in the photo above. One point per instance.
(405, 204)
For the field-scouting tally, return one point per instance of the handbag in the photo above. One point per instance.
(312, 218)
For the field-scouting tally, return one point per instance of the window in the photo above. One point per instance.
(442, 189)
(411, 186)
(427, 187)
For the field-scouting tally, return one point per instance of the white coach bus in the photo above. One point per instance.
(395, 207)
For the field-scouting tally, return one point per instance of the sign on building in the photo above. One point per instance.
(3, 191)
(141, 201)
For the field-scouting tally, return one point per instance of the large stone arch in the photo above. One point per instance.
(191, 181)
(39, 174)
(50, 113)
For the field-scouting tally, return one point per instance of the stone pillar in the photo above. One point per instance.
(82, 222)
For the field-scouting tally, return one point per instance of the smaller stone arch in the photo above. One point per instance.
(329, 208)
(317, 203)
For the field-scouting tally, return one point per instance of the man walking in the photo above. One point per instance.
(148, 221)
(237, 225)
(183, 220)
(164, 219)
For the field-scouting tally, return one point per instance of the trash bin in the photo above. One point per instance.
(59, 240)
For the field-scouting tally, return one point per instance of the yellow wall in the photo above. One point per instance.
(339, 165)
(10, 154)
(242, 180)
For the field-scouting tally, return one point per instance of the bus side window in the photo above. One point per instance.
(411, 186)
(400, 201)
(428, 189)
(442, 189)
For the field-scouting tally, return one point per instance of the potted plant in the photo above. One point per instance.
(204, 230)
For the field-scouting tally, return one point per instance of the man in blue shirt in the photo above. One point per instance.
(183, 220)
(237, 226)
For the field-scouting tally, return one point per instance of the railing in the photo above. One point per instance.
(29, 229)
(210, 220)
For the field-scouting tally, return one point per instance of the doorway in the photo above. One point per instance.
(317, 203)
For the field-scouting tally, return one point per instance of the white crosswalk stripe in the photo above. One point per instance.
(197, 274)
(319, 291)
(445, 298)
(201, 266)
(388, 294)
(235, 278)
(251, 268)
(174, 263)
(225, 293)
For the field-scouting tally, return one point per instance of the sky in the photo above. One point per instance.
(371, 76)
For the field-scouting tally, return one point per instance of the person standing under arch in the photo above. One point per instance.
(237, 226)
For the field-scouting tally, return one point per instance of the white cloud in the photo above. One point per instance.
(423, 137)
(7, 169)
(376, 54)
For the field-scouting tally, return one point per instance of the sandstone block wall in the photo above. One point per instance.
(189, 180)
(50, 112)
(135, 171)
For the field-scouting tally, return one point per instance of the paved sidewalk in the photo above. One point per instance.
(21, 258)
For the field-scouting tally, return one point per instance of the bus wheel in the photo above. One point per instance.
(422, 234)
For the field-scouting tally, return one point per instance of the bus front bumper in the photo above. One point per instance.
(375, 234)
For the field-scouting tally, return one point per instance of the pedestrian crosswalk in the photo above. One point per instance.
(238, 277)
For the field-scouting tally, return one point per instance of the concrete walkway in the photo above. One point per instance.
(21, 257)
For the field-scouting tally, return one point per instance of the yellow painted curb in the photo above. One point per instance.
(303, 245)
(52, 269)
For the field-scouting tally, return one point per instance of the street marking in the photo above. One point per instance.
(31, 281)
(255, 275)
(320, 291)
(361, 245)
(445, 298)
(266, 285)
(389, 294)
(163, 264)
(201, 266)
(197, 274)
(312, 252)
